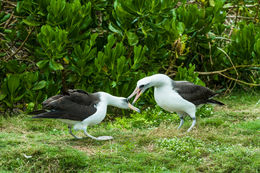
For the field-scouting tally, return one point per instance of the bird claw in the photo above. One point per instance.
(104, 138)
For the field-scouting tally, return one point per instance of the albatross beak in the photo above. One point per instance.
(136, 92)
(134, 108)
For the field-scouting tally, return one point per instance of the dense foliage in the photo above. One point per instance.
(51, 45)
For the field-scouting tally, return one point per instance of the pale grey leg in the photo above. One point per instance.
(193, 123)
(73, 134)
(182, 121)
(181, 115)
(100, 138)
(192, 114)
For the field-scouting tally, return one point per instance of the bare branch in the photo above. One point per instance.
(20, 47)
(228, 58)
(240, 81)
(227, 69)
(240, 17)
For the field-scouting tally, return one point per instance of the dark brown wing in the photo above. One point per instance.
(73, 106)
(193, 93)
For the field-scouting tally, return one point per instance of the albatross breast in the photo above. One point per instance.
(170, 100)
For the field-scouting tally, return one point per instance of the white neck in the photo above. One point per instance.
(112, 100)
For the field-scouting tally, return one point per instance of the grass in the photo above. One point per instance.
(225, 139)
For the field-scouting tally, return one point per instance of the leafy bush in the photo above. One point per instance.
(50, 46)
(189, 74)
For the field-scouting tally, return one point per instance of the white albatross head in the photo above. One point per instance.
(156, 80)
(120, 102)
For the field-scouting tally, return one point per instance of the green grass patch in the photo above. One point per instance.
(225, 139)
(250, 125)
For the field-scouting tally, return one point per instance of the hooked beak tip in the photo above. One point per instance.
(133, 108)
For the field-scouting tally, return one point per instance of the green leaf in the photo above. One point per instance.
(30, 106)
(257, 46)
(132, 38)
(30, 22)
(13, 82)
(113, 84)
(19, 97)
(98, 61)
(115, 29)
(18, 6)
(39, 85)
(5, 18)
(180, 27)
(2, 96)
(55, 66)
(212, 3)
(121, 63)
(41, 64)
(93, 39)
(7, 103)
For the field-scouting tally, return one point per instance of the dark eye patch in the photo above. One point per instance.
(141, 86)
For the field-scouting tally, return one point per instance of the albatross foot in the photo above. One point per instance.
(104, 138)
(70, 131)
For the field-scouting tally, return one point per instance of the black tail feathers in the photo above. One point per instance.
(216, 102)
(46, 114)
(37, 112)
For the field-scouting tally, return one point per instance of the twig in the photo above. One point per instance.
(228, 58)
(223, 38)
(20, 47)
(28, 60)
(228, 90)
(257, 11)
(173, 73)
(170, 67)
(227, 69)
(231, 30)
(8, 21)
(240, 81)
(210, 56)
(10, 3)
(236, 17)
(240, 17)
(247, 6)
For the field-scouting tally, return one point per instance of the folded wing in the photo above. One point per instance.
(73, 105)
(194, 93)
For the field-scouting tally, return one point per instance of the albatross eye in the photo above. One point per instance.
(141, 86)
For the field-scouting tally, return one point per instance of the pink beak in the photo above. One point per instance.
(136, 92)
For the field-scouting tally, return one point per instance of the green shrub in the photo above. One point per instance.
(109, 45)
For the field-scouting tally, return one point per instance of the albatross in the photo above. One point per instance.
(80, 109)
(181, 97)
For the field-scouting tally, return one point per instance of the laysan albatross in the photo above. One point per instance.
(80, 109)
(181, 97)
